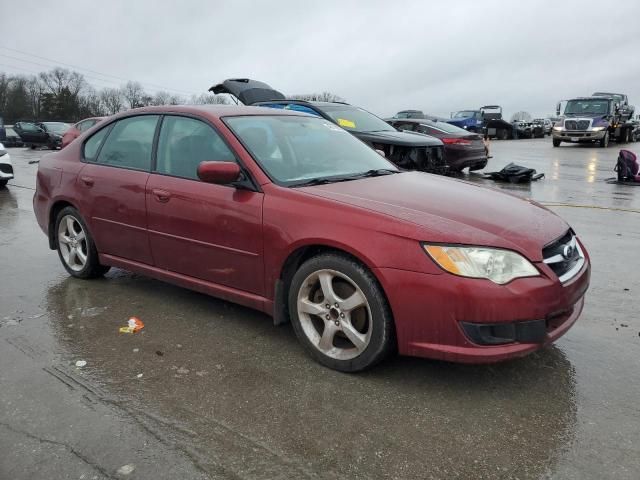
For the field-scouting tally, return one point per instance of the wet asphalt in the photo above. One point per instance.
(212, 390)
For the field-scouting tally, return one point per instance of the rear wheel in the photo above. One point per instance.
(604, 141)
(556, 142)
(75, 246)
(503, 134)
(340, 314)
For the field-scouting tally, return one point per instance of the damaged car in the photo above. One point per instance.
(407, 150)
(462, 148)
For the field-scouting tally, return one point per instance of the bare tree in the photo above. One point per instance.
(35, 89)
(59, 79)
(112, 101)
(319, 97)
(209, 99)
(134, 94)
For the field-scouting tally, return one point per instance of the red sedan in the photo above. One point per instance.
(289, 214)
(76, 130)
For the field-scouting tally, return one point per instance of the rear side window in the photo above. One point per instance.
(130, 143)
(85, 125)
(92, 146)
(184, 143)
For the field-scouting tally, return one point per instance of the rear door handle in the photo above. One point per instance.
(161, 195)
(88, 181)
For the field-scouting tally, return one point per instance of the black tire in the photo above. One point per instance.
(604, 142)
(92, 267)
(503, 134)
(381, 341)
(556, 142)
(3, 182)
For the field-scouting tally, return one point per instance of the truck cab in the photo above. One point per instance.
(595, 119)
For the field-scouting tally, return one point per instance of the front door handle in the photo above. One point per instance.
(88, 181)
(161, 195)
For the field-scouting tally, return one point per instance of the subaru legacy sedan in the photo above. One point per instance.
(289, 214)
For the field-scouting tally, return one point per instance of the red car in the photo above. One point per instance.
(76, 130)
(289, 214)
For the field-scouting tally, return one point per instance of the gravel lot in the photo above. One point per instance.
(213, 390)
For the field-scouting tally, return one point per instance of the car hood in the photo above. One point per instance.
(452, 211)
(393, 137)
(247, 91)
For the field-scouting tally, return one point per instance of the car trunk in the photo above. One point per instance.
(247, 91)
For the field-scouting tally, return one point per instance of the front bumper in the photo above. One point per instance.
(578, 135)
(430, 312)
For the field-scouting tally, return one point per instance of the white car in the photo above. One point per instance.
(6, 168)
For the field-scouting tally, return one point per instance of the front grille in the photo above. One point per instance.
(577, 124)
(564, 256)
(6, 168)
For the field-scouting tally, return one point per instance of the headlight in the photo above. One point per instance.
(598, 129)
(499, 266)
(558, 128)
(465, 127)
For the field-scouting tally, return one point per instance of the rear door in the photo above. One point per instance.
(211, 232)
(113, 181)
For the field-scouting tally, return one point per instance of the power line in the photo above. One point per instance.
(184, 92)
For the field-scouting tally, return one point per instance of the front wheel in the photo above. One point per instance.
(340, 314)
(604, 142)
(556, 142)
(76, 248)
(3, 182)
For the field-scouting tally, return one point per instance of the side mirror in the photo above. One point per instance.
(558, 109)
(218, 172)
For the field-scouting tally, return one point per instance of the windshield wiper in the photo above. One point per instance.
(378, 172)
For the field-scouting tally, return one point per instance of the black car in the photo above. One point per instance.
(35, 134)
(462, 148)
(412, 151)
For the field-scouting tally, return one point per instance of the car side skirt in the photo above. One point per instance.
(223, 292)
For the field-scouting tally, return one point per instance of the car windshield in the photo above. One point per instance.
(356, 120)
(578, 107)
(29, 127)
(57, 127)
(464, 114)
(294, 150)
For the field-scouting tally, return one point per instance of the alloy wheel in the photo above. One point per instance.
(72, 242)
(334, 314)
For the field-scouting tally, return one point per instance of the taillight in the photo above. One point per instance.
(455, 141)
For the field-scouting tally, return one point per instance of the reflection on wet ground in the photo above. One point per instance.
(213, 390)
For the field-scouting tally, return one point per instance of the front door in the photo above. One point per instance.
(112, 185)
(211, 232)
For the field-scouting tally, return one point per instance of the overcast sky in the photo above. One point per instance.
(382, 55)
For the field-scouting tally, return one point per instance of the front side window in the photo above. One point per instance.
(129, 144)
(296, 149)
(184, 143)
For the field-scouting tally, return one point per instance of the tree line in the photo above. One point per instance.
(64, 95)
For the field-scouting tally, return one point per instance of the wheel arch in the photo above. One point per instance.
(296, 257)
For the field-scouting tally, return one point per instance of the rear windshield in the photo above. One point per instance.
(356, 119)
(464, 114)
(57, 127)
(445, 127)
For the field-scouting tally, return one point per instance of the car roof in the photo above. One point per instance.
(215, 111)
